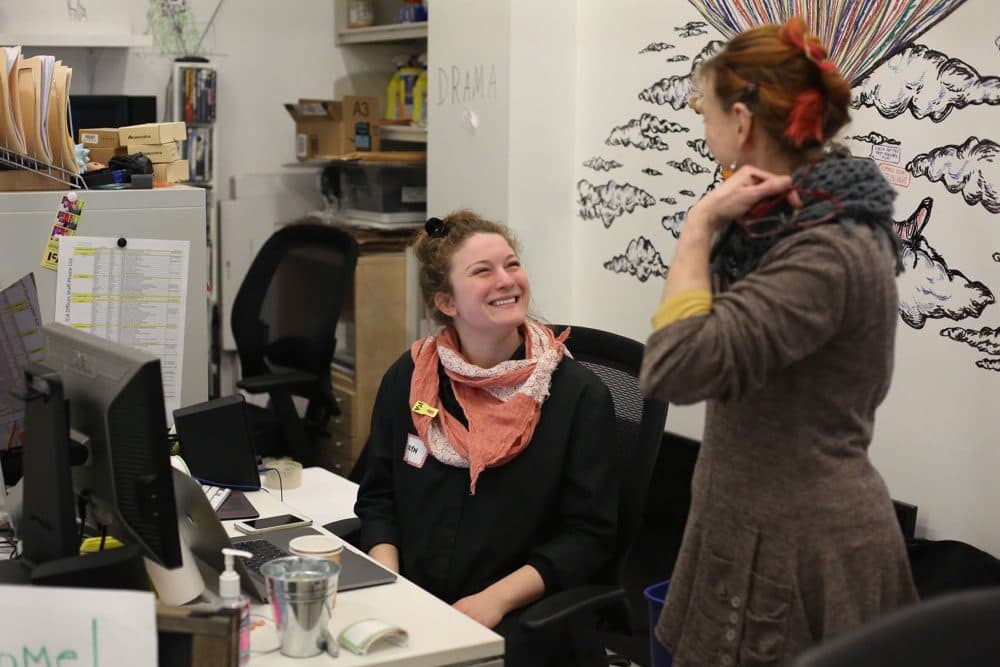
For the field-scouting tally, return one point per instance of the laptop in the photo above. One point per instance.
(204, 534)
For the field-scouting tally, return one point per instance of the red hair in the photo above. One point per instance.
(783, 75)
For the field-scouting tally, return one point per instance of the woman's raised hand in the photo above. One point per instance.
(737, 194)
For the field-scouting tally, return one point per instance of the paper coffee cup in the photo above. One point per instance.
(328, 547)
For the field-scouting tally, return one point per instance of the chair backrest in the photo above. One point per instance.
(639, 421)
(956, 629)
(285, 312)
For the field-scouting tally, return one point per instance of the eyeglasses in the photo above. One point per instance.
(760, 223)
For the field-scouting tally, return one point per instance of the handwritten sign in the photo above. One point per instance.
(896, 175)
(465, 84)
(76, 627)
(886, 153)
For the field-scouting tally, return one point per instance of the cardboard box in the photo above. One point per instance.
(99, 137)
(104, 154)
(170, 172)
(325, 128)
(168, 152)
(152, 133)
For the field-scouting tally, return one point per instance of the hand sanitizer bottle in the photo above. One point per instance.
(229, 591)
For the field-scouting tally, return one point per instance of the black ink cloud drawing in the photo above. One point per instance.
(668, 200)
(644, 133)
(679, 58)
(700, 147)
(672, 223)
(927, 83)
(996, 257)
(657, 46)
(600, 164)
(876, 139)
(649, 171)
(675, 90)
(985, 340)
(928, 289)
(641, 260)
(688, 165)
(972, 169)
(610, 200)
(688, 193)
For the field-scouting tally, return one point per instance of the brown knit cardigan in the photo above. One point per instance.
(791, 536)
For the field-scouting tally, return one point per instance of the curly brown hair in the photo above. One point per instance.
(434, 252)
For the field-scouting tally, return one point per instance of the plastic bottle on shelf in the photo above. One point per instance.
(412, 11)
(360, 14)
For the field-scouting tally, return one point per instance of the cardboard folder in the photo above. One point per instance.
(34, 86)
(60, 136)
(11, 132)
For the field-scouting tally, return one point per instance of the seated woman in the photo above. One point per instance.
(491, 478)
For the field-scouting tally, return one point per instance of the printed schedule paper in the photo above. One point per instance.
(21, 341)
(131, 291)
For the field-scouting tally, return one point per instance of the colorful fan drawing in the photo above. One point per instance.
(860, 34)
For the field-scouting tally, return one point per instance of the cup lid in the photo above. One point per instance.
(316, 544)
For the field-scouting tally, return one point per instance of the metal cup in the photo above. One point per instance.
(298, 591)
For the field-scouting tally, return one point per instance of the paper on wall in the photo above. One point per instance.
(134, 293)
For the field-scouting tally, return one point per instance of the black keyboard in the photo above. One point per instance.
(262, 551)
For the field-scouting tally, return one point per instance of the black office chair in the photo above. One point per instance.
(956, 629)
(284, 318)
(639, 429)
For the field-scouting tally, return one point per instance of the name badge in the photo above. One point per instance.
(422, 408)
(416, 451)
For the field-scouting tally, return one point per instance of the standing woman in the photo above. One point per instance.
(492, 478)
(791, 536)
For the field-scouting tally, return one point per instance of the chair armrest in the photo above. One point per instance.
(568, 603)
(348, 530)
(259, 384)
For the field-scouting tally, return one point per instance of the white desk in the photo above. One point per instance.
(439, 635)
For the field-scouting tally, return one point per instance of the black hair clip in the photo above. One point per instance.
(435, 228)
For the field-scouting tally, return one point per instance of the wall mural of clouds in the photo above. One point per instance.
(926, 83)
(641, 259)
(972, 169)
(609, 201)
(928, 288)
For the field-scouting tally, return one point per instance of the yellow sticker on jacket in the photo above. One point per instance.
(422, 408)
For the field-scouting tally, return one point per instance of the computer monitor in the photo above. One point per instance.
(115, 396)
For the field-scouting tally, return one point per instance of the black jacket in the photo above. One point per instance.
(554, 506)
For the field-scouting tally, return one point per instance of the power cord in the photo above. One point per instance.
(281, 487)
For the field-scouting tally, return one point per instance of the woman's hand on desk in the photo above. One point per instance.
(387, 556)
(485, 607)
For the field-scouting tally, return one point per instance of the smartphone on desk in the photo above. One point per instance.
(269, 523)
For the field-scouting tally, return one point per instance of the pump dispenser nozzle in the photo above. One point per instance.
(229, 580)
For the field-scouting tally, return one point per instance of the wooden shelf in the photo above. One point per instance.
(393, 32)
(120, 41)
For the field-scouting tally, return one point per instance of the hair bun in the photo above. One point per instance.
(435, 227)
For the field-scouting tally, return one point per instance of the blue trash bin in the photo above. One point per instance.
(655, 595)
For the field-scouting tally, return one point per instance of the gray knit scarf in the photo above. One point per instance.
(863, 191)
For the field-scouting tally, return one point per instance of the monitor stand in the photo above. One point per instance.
(120, 568)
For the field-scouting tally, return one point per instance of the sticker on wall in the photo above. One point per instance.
(675, 90)
(926, 83)
(985, 340)
(644, 133)
(972, 169)
(600, 164)
(641, 259)
(928, 288)
(610, 200)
